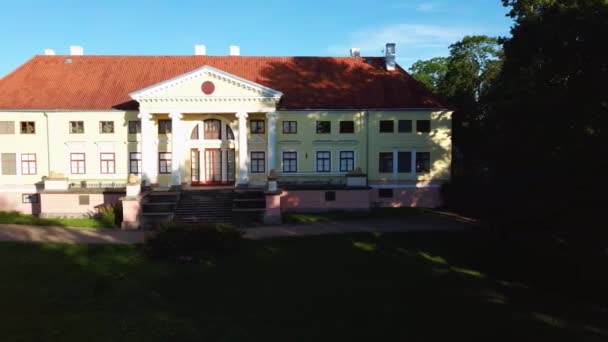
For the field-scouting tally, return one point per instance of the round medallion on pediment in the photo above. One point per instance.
(208, 87)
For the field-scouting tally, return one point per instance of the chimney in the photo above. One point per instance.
(49, 52)
(355, 52)
(389, 56)
(235, 50)
(76, 50)
(200, 50)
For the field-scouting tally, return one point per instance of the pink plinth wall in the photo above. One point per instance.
(130, 212)
(273, 209)
(67, 204)
(12, 201)
(409, 197)
(314, 200)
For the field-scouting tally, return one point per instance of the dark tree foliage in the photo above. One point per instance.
(548, 112)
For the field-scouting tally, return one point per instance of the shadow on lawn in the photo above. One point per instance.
(349, 287)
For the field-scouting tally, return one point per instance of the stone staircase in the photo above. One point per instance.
(158, 208)
(248, 207)
(200, 206)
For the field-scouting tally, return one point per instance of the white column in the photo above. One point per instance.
(272, 140)
(243, 150)
(224, 165)
(149, 154)
(395, 164)
(414, 163)
(177, 149)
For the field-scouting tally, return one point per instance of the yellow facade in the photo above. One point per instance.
(367, 142)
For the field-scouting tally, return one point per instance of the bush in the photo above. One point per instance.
(191, 242)
(109, 215)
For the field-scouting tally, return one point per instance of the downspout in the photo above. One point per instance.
(48, 144)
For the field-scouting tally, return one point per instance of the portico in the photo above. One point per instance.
(209, 141)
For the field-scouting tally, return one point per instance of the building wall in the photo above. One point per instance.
(25, 143)
(367, 142)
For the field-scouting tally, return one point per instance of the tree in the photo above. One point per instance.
(430, 72)
(549, 108)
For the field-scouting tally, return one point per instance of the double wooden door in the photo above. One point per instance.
(213, 164)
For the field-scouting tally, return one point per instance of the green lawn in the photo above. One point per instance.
(410, 287)
(17, 218)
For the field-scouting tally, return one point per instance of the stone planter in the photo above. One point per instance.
(133, 190)
(272, 185)
(56, 184)
(356, 181)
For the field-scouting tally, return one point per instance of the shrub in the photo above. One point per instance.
(191, 242)
(109, 215)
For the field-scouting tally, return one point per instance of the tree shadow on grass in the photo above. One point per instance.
(347, 287)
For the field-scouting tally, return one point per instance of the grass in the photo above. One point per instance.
(369, 287)
(351, 215)
(18, 218)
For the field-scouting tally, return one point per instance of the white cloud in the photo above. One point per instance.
(407, 37)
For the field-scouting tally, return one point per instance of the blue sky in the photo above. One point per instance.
(421, 28)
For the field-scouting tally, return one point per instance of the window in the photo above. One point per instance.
(164, 162)
(423, 126)
(347, 127)
(77, 163)
(164, 126)
(76, 127)
(347, 161)
(106, 126)
(387, 126)
(107, 163)
(28, 127)
(323, 127)
(405, 126)
(7, 127)
(330, 196)
(9, 163)
(28, 164)
(290, 127)
(134, 127)
(84, 200)
(212, 129)
(290, 161)
(258, 162)
(194, 133)
(423, 162)
(229, 133)
(385, 193)
(256, 126)
(404, 162)
(386, 162)
(29, 198)
(135, 163)
(323, 161)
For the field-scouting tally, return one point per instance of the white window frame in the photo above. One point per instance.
(354, 151)
(265, 161)
(317, 160)
(297, 162)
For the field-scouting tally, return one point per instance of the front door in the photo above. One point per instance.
(213, 165)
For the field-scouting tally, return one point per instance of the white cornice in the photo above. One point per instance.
(155, 89)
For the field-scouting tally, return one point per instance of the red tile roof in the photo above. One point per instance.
(104, 82)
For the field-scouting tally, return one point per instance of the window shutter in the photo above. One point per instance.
(9, 163)
(7, 127)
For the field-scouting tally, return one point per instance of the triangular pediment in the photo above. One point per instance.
(206, 84)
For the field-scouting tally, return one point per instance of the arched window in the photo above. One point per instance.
(194, 134)
(229, 133)
(213, 129)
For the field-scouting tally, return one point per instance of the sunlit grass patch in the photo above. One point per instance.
(18, 218)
